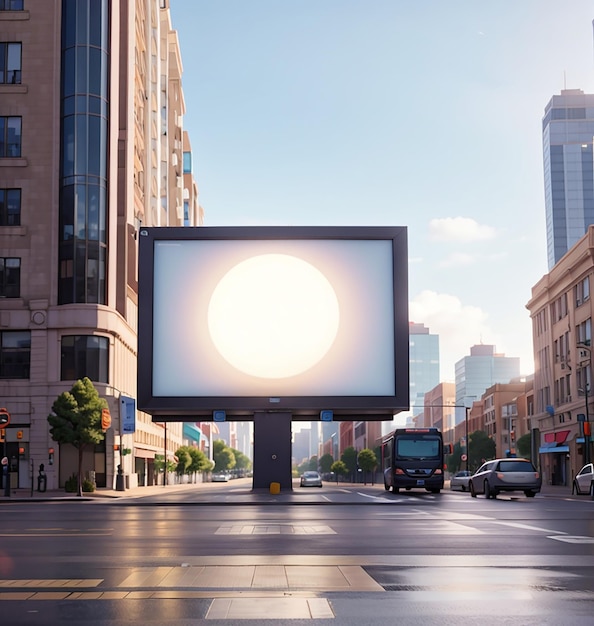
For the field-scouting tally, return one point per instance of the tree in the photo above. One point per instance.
(523, 446)
(184, 460)
(242, 461)
(76, 419)
(481, 449)
(326, 461)
(339, 469)
(223, 456)
(367, 461)
(313, 463)
(191, 460)
(349, 458)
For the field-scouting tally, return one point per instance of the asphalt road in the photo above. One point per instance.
(341, 555)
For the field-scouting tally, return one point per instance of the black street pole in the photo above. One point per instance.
(466, 438)
(586, 428)
(165, 459)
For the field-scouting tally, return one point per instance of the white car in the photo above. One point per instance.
(460, 480)
(583, 483)
(221, 477)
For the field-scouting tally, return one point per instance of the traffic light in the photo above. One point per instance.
(2, 435)
(512, 436)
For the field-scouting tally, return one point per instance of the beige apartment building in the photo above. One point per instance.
(561, 309)
(92, 147)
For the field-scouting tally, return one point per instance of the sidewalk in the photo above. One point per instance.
(25, 495)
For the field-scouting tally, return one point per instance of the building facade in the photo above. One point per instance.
(439, 411)
(478, 371)
(561, 309)
(92, 148)
(567, 132)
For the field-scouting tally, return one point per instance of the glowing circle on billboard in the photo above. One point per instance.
(273, 316)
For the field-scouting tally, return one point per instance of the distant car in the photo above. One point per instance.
(221, 477)
(509, 474)
(583, 483)
(460, 480)
(311, 479)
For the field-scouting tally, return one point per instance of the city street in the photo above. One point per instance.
(343, 554)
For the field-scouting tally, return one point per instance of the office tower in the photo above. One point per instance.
(424, 364)
(423, 361)
(567, 132)
(479, 371)
(92, 148)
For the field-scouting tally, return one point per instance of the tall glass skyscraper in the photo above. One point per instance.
(480, 370)
(567, 133)
(423, 355)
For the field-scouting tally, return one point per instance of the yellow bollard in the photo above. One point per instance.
(274, 488)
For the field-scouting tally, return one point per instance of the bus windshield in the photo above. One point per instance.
(417, 448)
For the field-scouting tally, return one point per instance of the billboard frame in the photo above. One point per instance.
(242, 407)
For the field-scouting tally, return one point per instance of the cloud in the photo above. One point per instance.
(457, 259)
(459, 326)
(459, 229)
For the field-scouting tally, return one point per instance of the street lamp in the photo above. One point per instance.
(586, 384)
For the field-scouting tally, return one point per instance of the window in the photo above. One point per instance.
(10, 277)
(11, 5)
(187, 162)
(10, 63)
(583, 332)
(10, 207)
(582, 291)
(10, 137)
(85, 355)
(15, 354)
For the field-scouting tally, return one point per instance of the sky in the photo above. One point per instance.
(424, 114)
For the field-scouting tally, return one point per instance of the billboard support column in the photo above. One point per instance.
(272, 450)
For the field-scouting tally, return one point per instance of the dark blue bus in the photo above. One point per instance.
(413, 458)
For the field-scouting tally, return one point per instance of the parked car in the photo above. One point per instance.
(221, 477)
(508, 474)
(311, 479)
(583, 483)
(460, 480)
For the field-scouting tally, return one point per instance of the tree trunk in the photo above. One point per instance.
(80, 461)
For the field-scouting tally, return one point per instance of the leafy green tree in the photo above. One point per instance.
(367, 461)
(523, 446)
(184, 460)
(313, 463)
(326, 461)
(76, 419)
(349, 458)
(223, 456)
(481, 449)
(200, 462)
(339, 469)
(242, 461)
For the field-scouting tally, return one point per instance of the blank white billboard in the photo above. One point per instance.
(247, 319)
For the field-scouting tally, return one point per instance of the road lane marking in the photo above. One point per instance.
(573, 539)
(51, 582)
(275, 529)
(528, 527)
